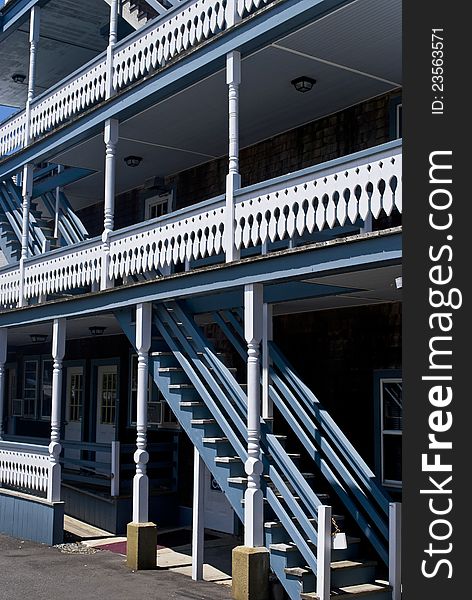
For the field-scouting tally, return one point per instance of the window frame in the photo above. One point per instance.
(381, 377)
(154, 398)
(44, 361)
(30, 415)
(164, 198)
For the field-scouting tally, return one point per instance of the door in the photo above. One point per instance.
(219, 515)
(74, 413)
(107, 386)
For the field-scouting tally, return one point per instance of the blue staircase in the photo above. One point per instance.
(41, 222)
(211, 406)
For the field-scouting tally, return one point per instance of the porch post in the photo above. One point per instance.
(27, 190)
(233, 179)
(253, 508)
(33, 41)
(267, 336)
(142, 544)
(58, 351)
(3, 360)
(111, 140)
(198, 516)
(112, 38)
(395, 549)
(251, 561)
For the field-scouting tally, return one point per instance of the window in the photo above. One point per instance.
(391, 419)
(108, 398)
(158, 206)
(159, 413)
(15, 404)
(76, 390)
(46, 389)
(30, 388)
(399, 120)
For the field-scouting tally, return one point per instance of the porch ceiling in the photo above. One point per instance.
(370, 286)
(70, 37)
(76, 328)
(354, 54)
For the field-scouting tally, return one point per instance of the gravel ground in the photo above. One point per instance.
(67, 572)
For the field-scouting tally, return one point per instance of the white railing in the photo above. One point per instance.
(342, 192)
(26, 467)
(75, 94)
(63, 270)
(12, 134)
(334, 194)
(9, 286)
(186, 235)
(141, 53)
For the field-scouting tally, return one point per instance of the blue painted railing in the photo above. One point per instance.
(337, 459)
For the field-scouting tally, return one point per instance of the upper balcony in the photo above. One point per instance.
(357, 193)
(335, 45)
(183, 28)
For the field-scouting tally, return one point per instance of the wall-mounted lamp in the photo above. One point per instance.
(38, 338)
(18, 77)
(303, 84)
(133, 161)
(96, 330)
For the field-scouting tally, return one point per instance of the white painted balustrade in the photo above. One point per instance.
(25, 466)
(149, 49)
(63, 270)
(345, 191)
(191, 234)
(314, 200)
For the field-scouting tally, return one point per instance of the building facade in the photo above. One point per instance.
(200, 297)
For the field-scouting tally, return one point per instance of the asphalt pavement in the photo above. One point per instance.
(30, 571)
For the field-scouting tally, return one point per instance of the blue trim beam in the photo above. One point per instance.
(379, 249)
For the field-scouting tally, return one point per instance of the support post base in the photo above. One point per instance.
(250, 573)
(141, 546)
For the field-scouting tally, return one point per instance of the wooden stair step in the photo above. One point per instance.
(352, 564)
(203, 421)
(214, 440)
(237, 480)
(346, 593)
(191, 404)
(227, 459)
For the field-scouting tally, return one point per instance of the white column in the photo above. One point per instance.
(58, 351)
(253, 498)
(27, 190)
(112, 38)
(198, 516)
(267, 336)
(395, 549)
(233, 179)
(57, 207)
(33, 41)
(141, 456)
(323, 557)
(3, 360)
(111, 141)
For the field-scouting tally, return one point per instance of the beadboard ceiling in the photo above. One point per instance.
(70, 37)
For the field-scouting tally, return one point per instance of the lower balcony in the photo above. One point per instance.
(357, 193)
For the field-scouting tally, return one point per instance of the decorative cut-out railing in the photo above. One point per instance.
(25, 467)
(145, 51)
(344, 192)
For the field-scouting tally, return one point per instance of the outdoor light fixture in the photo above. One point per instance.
(38, 338)
(303, 84)
(97, 330)
(133, 161)
(18, 77)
